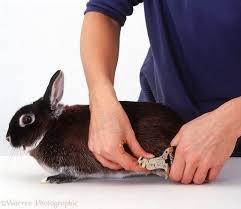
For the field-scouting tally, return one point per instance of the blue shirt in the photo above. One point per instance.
(194, 61)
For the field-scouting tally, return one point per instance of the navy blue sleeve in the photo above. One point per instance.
(116, 9)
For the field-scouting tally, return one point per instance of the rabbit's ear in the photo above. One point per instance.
(55, 90)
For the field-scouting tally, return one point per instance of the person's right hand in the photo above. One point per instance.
(109, 129)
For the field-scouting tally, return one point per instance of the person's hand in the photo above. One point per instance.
(204, 144)
(109, 129)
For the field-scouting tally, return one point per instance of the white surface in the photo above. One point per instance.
(20, 182)
(38, 37)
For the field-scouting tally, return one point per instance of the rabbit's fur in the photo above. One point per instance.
(56, 135)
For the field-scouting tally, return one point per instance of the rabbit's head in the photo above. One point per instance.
(30, 123)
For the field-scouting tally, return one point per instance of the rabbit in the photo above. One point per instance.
(56, 135)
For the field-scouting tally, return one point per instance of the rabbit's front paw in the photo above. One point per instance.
(59, 179)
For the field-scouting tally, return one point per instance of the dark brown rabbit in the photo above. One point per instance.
(56, 135)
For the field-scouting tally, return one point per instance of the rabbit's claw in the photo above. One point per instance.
(59, 179)
(159, 165)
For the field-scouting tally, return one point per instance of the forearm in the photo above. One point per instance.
(99, 48)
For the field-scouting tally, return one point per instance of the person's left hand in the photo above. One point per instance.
(204, 144)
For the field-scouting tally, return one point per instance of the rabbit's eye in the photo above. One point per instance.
(26, 120)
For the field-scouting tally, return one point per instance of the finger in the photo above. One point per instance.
(136, 148)
(188, 174)
(107, 163)
(128, 162)
(177, 168)
(175, 141)
(214, 172)
(200, 175)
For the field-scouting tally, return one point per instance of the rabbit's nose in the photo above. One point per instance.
(8, 138)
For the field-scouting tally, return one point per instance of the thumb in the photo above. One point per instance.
(175, 141)
(135, 147)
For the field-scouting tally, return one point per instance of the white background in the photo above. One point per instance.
(38, 37)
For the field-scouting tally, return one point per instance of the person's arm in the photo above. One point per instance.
(99, 53)
(109, 124)
(205, 143)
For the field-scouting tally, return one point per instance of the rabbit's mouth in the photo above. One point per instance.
(15, 145)
(27, 146)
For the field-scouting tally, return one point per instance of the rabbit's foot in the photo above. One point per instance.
(59, 179)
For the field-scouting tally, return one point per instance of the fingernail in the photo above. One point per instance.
(149, 155)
